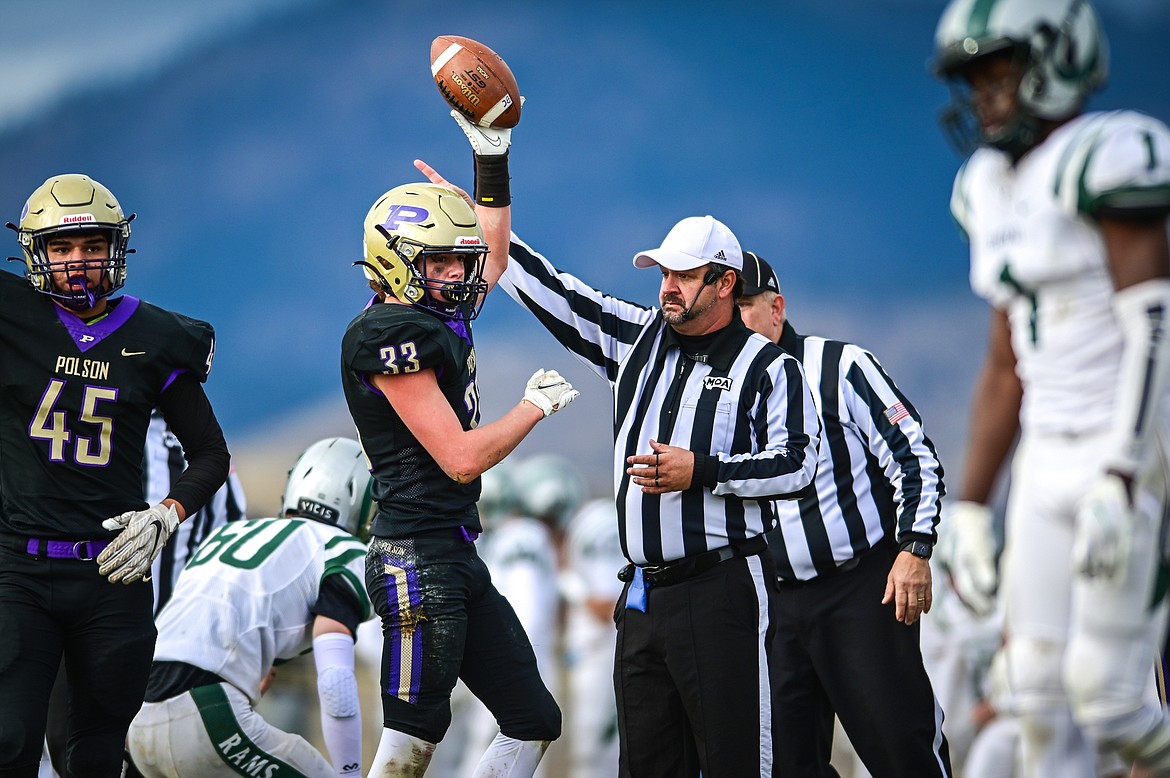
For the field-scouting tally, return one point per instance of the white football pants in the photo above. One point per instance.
(170, 739)
(1080, 653)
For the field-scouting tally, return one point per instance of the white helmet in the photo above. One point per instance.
(330, 482)
(550, 488)
(1059, 44)
(497, 493)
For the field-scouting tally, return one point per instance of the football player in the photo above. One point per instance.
(408, 371)
(256, 593)
(593, 551)
(1066, 215)
(82, 371)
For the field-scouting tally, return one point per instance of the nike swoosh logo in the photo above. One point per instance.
(492, 139)
(126, 353)
(157, 527)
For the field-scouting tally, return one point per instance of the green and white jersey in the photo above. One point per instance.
(1037, 253)
(246, 599)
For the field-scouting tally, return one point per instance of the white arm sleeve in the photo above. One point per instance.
(341, 720)
(1144, 312)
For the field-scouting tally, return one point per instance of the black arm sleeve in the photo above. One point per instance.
(188, 412)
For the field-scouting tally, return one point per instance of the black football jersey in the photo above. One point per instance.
(413, 493)
(75, 403)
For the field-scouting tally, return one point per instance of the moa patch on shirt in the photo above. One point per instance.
(718, 382)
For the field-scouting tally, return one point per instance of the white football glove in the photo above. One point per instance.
(549, 392)
(966, 550)
(485, 141)
(1103, 537)
(143, 534)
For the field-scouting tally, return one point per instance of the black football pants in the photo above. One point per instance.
(51, 608)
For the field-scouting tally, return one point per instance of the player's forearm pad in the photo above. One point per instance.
(1144, 312)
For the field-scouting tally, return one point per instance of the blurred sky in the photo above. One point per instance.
(251, 138)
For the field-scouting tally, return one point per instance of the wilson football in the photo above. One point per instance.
(475, 81)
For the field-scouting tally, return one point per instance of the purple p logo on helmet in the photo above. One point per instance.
(405, 214)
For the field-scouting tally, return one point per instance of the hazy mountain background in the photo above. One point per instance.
(250, 138)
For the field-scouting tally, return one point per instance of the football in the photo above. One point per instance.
(475, 81)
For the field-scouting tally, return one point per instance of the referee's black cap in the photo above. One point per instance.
(758, 276)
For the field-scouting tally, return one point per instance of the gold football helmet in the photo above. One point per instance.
(410, 223)
(72, 203)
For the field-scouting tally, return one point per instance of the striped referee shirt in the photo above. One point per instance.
(744, 409)
(164, 463)
(878, 474)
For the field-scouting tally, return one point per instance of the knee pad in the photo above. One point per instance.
(1033, 671)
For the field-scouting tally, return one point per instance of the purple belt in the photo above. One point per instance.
(66, 549)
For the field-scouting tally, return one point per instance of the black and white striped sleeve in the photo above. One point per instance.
(598, 328)
(894, 435)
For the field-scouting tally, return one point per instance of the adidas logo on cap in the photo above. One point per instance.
(720, 256)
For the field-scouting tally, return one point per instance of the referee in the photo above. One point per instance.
(712, 424)
(164, 463)
(852, 560)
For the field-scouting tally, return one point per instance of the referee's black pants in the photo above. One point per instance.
(692, 674)
(839, 650)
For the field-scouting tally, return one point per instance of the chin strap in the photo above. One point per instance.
(1144, 312)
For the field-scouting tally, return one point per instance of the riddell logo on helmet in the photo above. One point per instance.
(80, 218)
(468, 240)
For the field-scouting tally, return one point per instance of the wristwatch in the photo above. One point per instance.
(918, 548)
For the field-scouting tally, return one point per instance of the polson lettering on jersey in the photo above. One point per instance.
(96, 369)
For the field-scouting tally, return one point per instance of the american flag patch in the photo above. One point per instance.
(896, 412)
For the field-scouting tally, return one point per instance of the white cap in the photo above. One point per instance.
(692, 243)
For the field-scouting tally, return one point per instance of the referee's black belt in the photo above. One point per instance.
(84, 550)
(682, 569)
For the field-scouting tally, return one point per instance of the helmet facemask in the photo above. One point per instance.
(77, 296)
(960, 119)
(461, 300)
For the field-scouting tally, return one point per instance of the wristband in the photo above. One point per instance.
(492, 182)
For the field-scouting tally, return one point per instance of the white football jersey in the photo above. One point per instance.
(243, 601)
(521, 554)
(593, 557)
(1037, 254)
